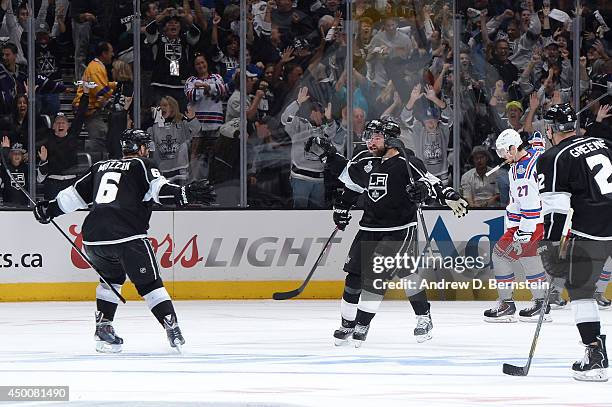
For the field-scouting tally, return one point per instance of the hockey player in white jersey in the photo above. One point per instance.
(516, 250)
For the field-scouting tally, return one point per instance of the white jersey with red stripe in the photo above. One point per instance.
(207, 104)
(525, 208)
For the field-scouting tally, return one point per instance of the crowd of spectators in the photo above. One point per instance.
(516, 58)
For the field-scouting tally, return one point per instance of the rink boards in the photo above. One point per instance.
(214, 254)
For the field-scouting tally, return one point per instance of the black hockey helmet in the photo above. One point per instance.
(391, 128)
(372, 127)
(132, 139)
(561, 118)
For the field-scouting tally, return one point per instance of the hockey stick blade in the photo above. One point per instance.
(294, 293)
(287, 295)
(515, 370)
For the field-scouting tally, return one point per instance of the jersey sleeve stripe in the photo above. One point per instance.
(69, 200)
(555, 202)
(345, 178)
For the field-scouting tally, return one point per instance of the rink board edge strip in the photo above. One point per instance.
(218, 290)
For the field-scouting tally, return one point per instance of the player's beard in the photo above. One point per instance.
(377, 151)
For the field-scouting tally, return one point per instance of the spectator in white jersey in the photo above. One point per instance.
(430, 129)
(205, 93)
(302, 119)
(171, 135)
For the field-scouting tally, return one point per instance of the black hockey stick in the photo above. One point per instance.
(524, 370)
(294, 293)
(74, 246)
(419, 210)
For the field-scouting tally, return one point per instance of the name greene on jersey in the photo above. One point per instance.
(587, 148)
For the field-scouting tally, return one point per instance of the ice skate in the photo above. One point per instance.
(555, 300)
(175, 337)
(360, 334)
(503, 312)
(343, 334)
(106, 339)
(602, 301)
(594, 365)
(422, 332)
(532, 314)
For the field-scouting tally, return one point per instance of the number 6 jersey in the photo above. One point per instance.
(121, 194)
(577, 173)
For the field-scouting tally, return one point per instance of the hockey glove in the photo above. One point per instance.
(521, 237)
(342, 215)
(549, 253)
(419, 191)
(197, 192)
(453, 200)
(45, 211)
(321, 147)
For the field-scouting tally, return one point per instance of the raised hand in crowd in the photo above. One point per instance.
(603, 113)
(42, 153)
(328, 112)
(534, 102)
(414, 96)
(6, 143)
(287, 55)
(303, 95)
(430, 93)
(216, 19)
(190, 112)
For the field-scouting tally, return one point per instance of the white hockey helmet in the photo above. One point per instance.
(505, 140)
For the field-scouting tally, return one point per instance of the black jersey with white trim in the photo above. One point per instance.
(121, 194)
(577, 173)
(384, 181)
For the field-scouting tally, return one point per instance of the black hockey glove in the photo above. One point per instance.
(453, 200)
(342, 215)
(41, 212)
(549, 253)
(197, 192)
(320, 147)
(45, 211)
(419, 191)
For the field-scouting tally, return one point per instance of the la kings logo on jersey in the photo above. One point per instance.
(20, 178)
(378, 186)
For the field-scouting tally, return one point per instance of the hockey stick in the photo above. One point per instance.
(74, 246)
(420, 213)
(524, 370)
(494, 169)
(294, 293)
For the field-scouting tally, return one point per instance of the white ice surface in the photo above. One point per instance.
(266, 353)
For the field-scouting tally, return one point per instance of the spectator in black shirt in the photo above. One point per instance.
(169, 35)
(58, 155)
(120, 107)
(506, 71)
(14, 156)
(47, 63)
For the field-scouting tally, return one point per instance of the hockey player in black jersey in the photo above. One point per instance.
(575, 173)
(121, 194)
(388, 226)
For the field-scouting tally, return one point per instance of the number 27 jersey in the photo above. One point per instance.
(121, 194)
(525, 207)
